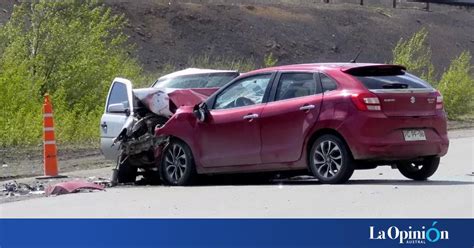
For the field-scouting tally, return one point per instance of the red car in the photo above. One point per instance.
(326, 119)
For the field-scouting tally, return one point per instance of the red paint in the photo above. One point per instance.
(279, 138)
(190, 97)
(71, 187)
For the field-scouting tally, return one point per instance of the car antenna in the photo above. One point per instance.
(357, 56)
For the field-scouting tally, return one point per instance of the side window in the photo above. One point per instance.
(293, 85)
(327, 83)
(247, 91)
(118, 94)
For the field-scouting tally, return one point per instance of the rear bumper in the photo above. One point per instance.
(375, 136)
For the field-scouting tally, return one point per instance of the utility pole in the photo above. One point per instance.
(394, 4)
(427, 6)
(361, 2)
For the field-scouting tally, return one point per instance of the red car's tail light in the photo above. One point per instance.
(439, 100)
(366, 102)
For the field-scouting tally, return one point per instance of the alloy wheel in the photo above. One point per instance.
(175, 162)
(327, 159)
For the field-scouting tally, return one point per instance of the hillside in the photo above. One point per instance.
(317, 33)
(171, 32)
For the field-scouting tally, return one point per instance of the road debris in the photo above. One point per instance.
(107, 183)
(72, 187)
(14, 188)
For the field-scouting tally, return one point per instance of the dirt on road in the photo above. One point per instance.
(27, 162)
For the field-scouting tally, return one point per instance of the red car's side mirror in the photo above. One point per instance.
(201, 112)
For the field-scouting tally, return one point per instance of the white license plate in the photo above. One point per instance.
(414, 135)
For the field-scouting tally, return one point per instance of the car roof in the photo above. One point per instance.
(194, 71)
(313, 67)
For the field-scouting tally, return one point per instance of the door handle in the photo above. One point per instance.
(250, 116)
(104, 125)
(307, 107)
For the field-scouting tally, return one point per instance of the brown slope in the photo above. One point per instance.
(170, 33)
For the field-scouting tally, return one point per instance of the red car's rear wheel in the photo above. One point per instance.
(330, 160)
(419, 170)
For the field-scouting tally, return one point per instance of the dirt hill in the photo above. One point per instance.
(171, 32)
(313, 33)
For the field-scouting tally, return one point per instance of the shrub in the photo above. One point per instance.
(70, 49)
(457, 86)
(415, 55)
(269, 60)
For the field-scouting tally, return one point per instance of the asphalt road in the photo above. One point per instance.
(382, 192)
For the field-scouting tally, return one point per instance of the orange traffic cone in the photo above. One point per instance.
(49, 145)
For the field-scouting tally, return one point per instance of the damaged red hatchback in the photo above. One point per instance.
(322, 119)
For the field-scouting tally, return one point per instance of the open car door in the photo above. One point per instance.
(118, 109)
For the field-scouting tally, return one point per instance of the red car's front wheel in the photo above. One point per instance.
(177, 165)
(330, 160)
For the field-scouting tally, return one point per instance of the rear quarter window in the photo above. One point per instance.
(327, 83)
(402, 81)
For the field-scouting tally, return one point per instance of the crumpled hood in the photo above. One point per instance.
(158, 100)
(190, 97)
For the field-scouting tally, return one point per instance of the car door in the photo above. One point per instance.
(118, 109)
(288, 117)
(231, 134)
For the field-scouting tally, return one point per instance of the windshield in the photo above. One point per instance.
(214, 80)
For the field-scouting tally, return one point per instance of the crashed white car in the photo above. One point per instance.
(131, 115)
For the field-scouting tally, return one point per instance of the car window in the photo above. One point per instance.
(402, 81)
(327, 83)
(293, 85)
(214, 80)
(118, 94)
(247, 91)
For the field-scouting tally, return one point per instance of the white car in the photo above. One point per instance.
(131, 115)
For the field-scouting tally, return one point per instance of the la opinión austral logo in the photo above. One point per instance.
(409, 235)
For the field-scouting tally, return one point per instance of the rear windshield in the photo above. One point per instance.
(215, 80)
(401, 81)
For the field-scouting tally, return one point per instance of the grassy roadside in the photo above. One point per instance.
(462, 122)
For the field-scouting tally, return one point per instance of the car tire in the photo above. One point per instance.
(419, 170)
(152, 177)
(330, 160)
(177, 166)
(127, 173)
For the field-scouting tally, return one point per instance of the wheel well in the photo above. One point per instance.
(322, 132)
(174, 138)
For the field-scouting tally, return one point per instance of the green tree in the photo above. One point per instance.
(71, 49)
(457, 86)
(415, 55)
